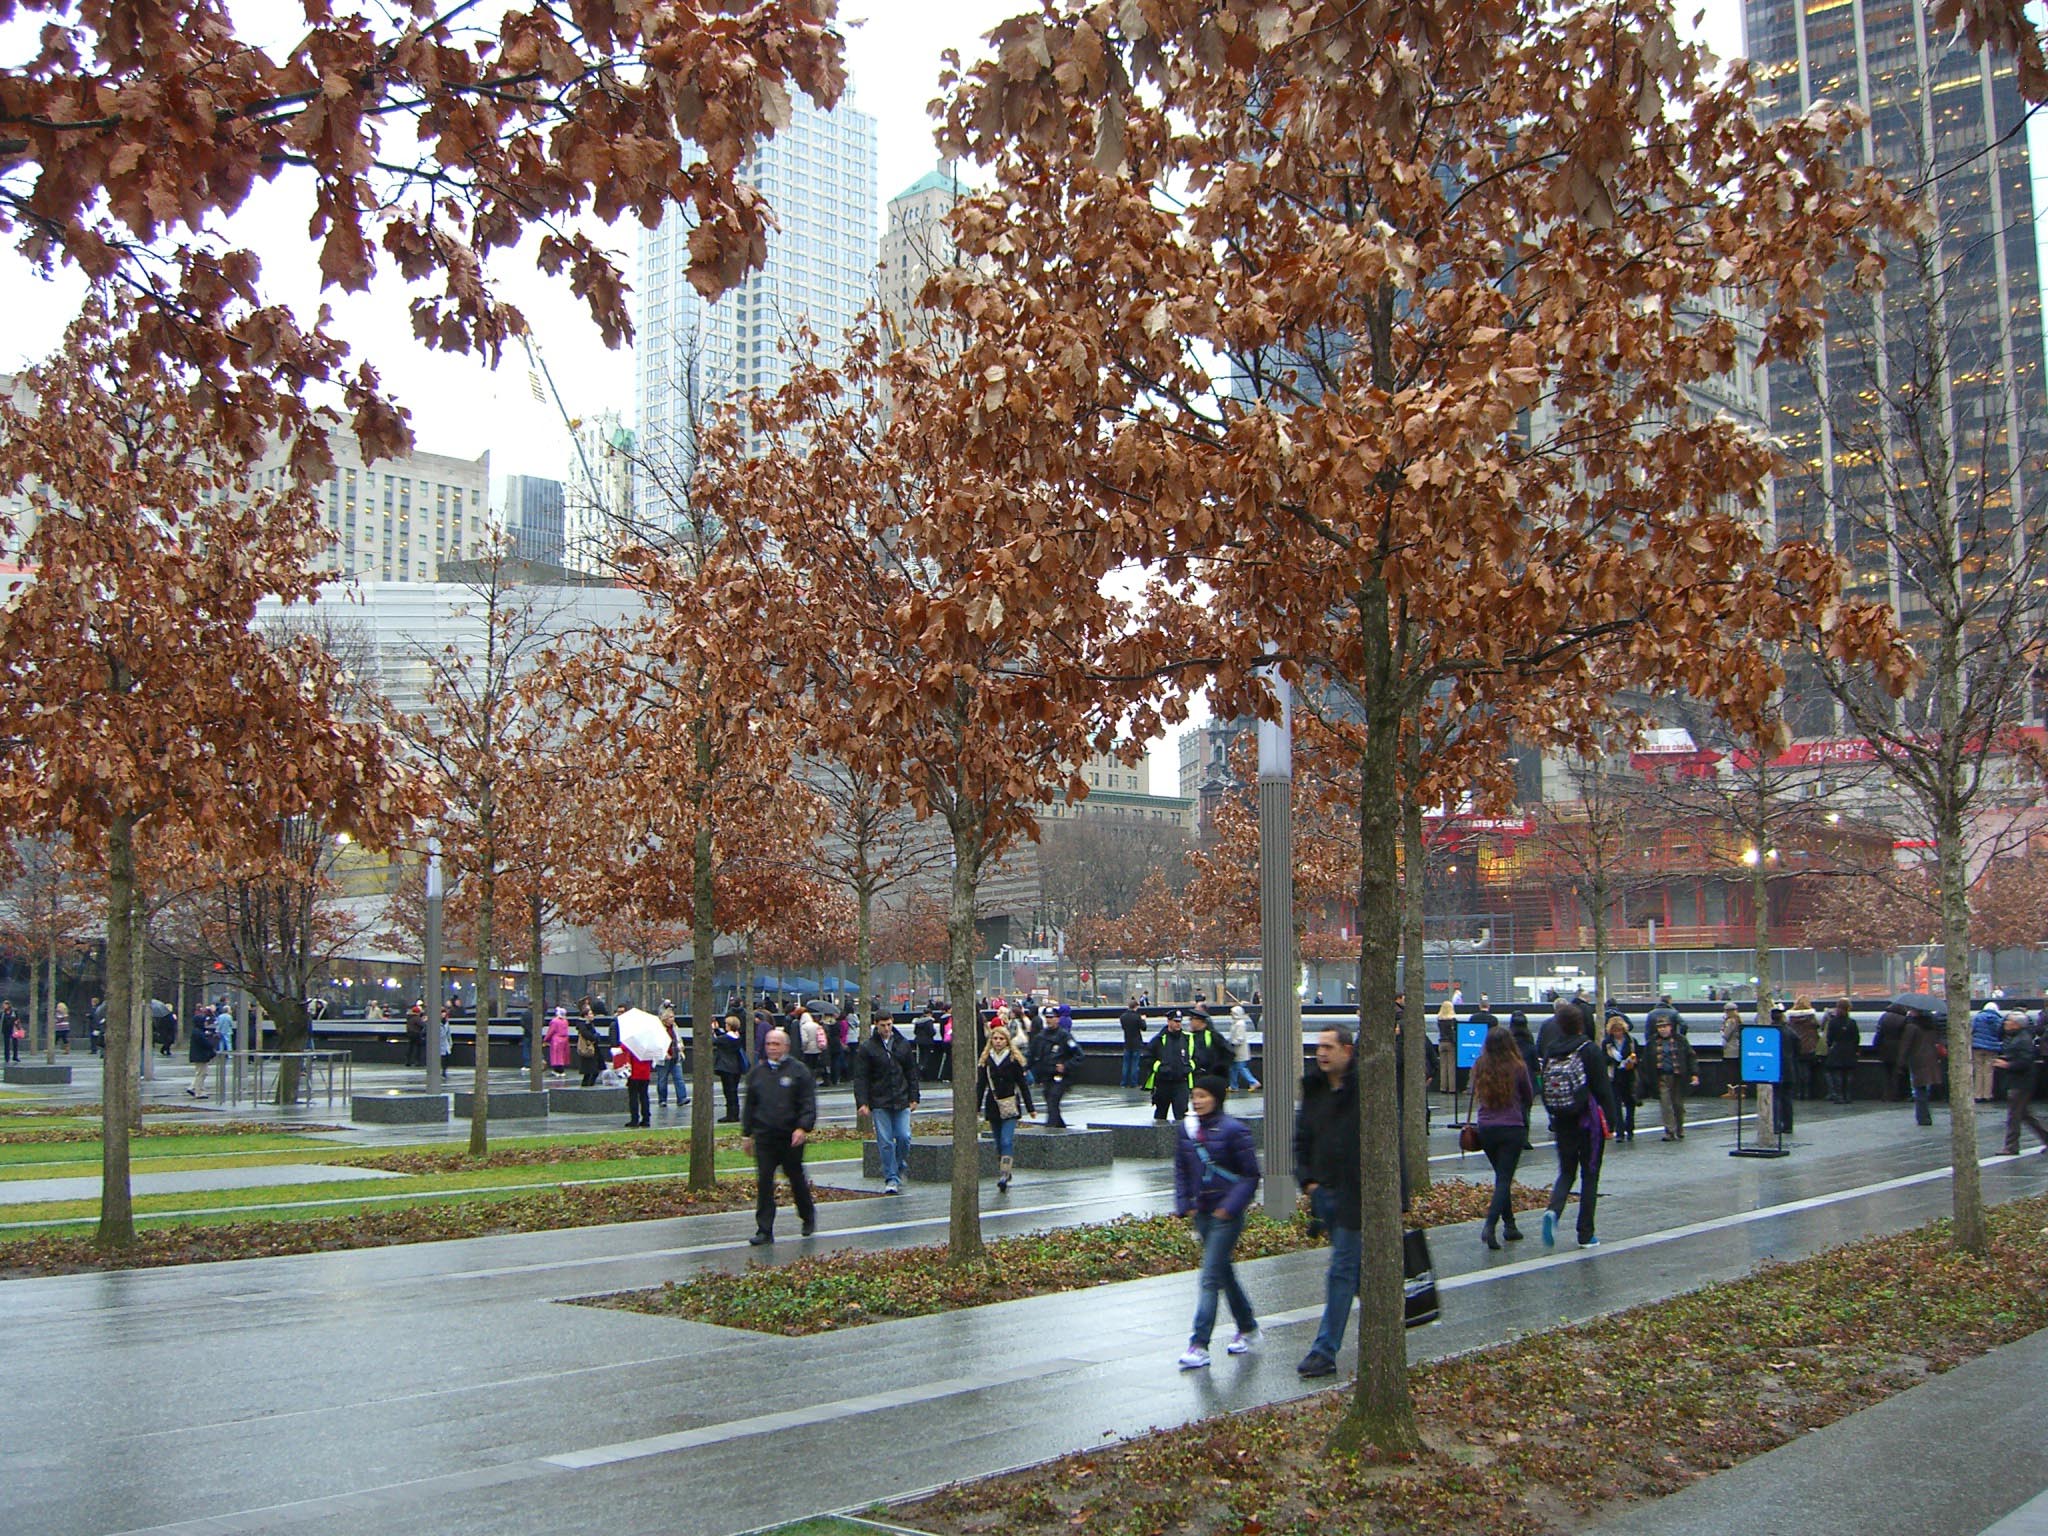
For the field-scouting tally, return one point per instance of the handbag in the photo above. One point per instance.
(1006, 1108)
(1419, 1279)
(1468, 1137)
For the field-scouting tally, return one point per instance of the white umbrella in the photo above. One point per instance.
(641, 1033)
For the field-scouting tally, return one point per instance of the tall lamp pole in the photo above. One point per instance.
(1280, 1020)
(431, 982)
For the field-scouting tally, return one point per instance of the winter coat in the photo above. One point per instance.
(885, 1073)
(1619, 1053)
(557, 1034)
(638, 1068)
(1002, 1079)
(1222, 1183)
(2020, 1055)
(1326, 1142)
(1134, 1028)
(1891, 1034)
(1804, 1025)
(1921, 1048)
(1652, 1073)
(1601, 1090)
(781, 1096)
(200, 1049)
(1240, 1035)
(1843, 1038)
(1987, 1030)
(1170, 1059)
(727, 1054)
(1051, 1049)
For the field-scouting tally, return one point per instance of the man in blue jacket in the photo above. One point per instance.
(1987, 1040)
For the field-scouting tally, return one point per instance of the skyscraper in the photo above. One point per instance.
(597, 490)
(533, 518)
(1947, 118)
(818, 175)
(916, 244)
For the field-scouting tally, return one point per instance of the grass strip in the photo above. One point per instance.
(569, 1149)
(54, 1135)
(854, 1286)
(206, 1239)
(24, 1160)
(1540, 1435)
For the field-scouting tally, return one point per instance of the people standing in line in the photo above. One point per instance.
(1803, 1027)
(1215, 1176)
(1623, 1060)
(1326, 1170)
(1885, 1044)
(886, 1091)
(1052, 1050)
(1922, 1048)
(729, 1061)
(1580, 1100)
(1447, 1047)
(1241, 1050)
(1133, 1023)
(1987, 1040)
(639, 1073)
(1842, 1042)
(1503, 1093)
(557, 1036)
(1170, 1068)
(779, 1114)
(1525, 1042)
(1003, 1091)
(669, 1071)
(589, 1060)
(2019, 1061)
(1484, 1016)
(1668, 1058)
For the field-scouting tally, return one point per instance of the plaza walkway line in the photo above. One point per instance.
(444, 1387)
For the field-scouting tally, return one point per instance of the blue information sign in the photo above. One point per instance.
(1471, 1041)
(1760, 1056)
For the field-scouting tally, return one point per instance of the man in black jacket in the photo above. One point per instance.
(886, 1089)
(1133, 1023)
(1326, 1168)
(1170, 1068)
(779, 1113)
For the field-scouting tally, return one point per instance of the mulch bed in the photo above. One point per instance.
(854, 1287)
(1542, 1434)
(477, 1214)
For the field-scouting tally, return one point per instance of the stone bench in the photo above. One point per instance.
(38, 1072)
(585, 1101)
(400, 1108)
(931, 1157)
(506, 1104)
(1157, 1138)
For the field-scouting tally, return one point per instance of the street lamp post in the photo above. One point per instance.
(1280, 1020)
(431, 982)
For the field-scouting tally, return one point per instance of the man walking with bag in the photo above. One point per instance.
(777, 1118)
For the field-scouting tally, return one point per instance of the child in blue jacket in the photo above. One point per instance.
(1215, 1176)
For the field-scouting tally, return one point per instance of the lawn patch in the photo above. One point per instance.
(856, 1286)
(1539, 1435)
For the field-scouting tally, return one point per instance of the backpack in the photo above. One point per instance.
(1566, 1086)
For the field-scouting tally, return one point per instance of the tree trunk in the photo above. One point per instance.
(50, 1007)
(117, 1091)
(1952, 853)
(536, 989)
(863, 954)
(963, 1233)
(486, 992)
(183, 1015)
(1414, 1065)
(703, 959)
(1381, 1414)
(294, 1035)
(138, 1010)
(35, 1000)
(1602, 896)
(747, 983)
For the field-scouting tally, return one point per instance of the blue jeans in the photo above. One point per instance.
(1340, 1285)
(1219, 1236)
(1241, 1076)
(892, 1136)
(1134, 1059)
(1006, 1138)
(671, 1071)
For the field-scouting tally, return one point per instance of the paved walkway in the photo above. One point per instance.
(444, 1387)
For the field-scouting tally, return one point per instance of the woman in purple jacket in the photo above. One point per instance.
(1215, 1176)
(1503, 1093)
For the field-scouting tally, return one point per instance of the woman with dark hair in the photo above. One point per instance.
(1843, 1041)
(1582, 1108)
(1503, 1092)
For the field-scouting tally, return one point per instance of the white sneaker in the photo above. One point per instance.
(1194, 1359)
(1242, 1344)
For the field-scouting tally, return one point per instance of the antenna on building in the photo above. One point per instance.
(536, 370)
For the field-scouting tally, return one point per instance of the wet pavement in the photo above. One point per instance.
(444, 1388)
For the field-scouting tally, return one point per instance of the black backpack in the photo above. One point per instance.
(1567, 1086)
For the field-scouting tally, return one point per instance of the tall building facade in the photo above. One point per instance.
(396, 519)
(916, 244)
(533, 518)
(1946, 116)
(597, 496)
(818, 175)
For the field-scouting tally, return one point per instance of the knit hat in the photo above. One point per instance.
(1218, 1088)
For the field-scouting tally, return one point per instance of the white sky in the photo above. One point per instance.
(459, 407)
